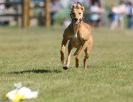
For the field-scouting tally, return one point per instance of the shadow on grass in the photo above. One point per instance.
(37, 71)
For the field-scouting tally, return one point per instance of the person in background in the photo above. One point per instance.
(123, 9)
(99, 2)
(2, 6)
(55, 7)
(96, 12)
(118, 13)
(130, 15)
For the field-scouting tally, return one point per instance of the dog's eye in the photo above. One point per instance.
(79, 13)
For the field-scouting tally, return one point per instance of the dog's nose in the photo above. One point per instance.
(75, 19)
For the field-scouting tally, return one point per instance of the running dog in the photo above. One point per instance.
(79, 36)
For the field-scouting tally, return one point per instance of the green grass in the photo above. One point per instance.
(31, 56)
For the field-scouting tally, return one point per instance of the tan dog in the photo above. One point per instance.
(78, 33)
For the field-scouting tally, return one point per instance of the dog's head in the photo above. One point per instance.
(77, 13)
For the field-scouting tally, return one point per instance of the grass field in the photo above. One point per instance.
(31, 56)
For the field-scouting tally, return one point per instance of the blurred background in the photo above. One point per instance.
(99, 13)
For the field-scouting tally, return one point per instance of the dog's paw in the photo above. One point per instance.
(65, 67)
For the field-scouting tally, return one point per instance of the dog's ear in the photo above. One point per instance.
(73, 6)
(80, 6)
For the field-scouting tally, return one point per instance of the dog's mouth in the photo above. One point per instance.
(76, 20)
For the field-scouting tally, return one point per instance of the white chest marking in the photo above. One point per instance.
(75, 35)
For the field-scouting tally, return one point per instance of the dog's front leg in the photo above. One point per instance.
(62, 51)
(66, 66)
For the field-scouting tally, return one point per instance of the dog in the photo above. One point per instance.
(79, 36)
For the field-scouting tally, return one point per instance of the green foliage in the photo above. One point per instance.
(31, 56)
(111, 2)
(62, 15)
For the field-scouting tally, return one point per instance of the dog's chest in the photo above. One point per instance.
(75, 41)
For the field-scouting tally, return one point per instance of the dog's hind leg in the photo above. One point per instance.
(79, 51)
(85, 57)
(62, 51)
(87, 51)
(66, 66)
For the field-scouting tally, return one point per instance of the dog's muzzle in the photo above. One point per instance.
(76, 20)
